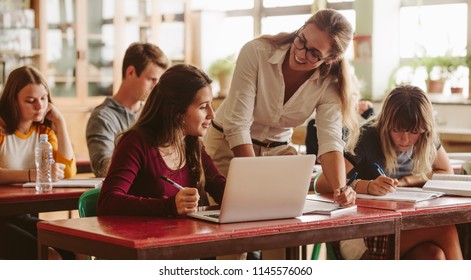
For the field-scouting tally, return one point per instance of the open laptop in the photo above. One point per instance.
(263, 188)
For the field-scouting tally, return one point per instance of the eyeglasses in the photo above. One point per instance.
(311, 56)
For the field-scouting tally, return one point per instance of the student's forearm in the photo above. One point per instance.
(10, 176)
(333, 169)
(413, 180)
(63, 140)
(419, 180)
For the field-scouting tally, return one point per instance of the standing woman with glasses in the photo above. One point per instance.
(278, 83)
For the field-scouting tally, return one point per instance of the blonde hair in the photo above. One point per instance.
(407, 108)
(341, 34)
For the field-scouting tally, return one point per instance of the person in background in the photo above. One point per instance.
(278, 83)
(365, 111)
(143, 64)
(165, 141)
(26, 110)
(403, 141)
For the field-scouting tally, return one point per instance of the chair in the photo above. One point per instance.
(87, 203)
(87, 206)
(330, 251)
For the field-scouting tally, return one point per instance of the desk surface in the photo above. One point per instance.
(16, 200)
(185, 238)
(440, 211)
(446, 210)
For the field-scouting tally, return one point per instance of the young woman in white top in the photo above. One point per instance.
(25, 112)
(278, 83)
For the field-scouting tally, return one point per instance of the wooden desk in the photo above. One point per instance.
(446, 210)
(16, 200)
(185, 238)
(83, 164)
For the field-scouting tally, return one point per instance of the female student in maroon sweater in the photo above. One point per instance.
(165, 142)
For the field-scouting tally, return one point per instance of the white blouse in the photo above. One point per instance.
(254, 106)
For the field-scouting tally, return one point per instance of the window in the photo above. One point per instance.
(433, 30)
(422, 32)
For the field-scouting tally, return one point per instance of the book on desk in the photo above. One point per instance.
(405, 194)
(72, 183)
(450, 184)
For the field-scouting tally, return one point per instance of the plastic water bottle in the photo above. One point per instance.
(44, 161)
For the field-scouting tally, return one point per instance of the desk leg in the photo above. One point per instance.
(293, 253)
(43, 253)
(394, 244)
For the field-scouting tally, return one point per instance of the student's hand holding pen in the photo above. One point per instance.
(382, 184)
(186, 201)
(346, 196)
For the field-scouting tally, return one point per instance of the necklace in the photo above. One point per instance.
(170, 156)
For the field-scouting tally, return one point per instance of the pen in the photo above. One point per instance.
(380, 170)
(349, 182)
(176, 185)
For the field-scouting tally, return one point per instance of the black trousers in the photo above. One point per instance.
(18, 239)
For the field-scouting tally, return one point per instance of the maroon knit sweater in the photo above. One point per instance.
(133, 185)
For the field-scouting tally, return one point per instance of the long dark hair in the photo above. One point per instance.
(17, 80)
(161, 119)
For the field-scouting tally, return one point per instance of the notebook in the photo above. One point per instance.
(405, 194)
(263, 188)
(72, 183)
(317, 204)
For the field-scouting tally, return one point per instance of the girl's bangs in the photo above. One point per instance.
(408, 120)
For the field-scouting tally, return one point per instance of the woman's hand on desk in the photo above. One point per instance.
(345, 197)
(186, 201)
(382, 185)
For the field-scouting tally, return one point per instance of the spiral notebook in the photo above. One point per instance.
(263, 188)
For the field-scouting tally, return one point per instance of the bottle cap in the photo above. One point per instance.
(43, 137)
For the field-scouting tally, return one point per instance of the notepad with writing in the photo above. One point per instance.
(72, 183)
(405, 194)
(450, 184)
(316, 204)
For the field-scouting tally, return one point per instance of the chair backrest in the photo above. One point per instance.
(87, 203)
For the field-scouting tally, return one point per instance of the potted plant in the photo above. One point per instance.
(222, 69)
(435, 76)
(451, 66)
(440, 69)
